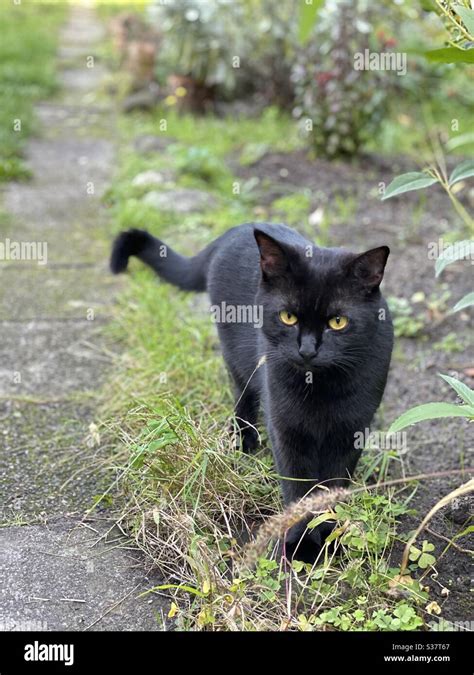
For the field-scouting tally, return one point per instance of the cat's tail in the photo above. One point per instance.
(188, 274)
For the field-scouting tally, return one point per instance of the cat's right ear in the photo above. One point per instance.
(273, 259)
(368, 268)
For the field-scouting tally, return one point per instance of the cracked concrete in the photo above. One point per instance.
(60, 571)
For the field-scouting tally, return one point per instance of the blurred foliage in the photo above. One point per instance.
(27, 51)
(232, 48)
(202, 40)
(342, 105)
(303, 61)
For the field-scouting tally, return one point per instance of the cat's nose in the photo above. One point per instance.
(307, 351)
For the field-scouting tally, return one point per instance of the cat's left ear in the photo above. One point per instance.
(368, 267)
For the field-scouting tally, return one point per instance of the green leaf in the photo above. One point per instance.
(308, 14)
(179, 587)
(467, 16)
(466, 301)
(460, 140)
(461, 389)
(297, 565)
(462, 171)
(464, 533)
(426, 559)
(414, 553)
(457, 251)
(430, 411)
(450, 55)
(319, 519)
(414, 180)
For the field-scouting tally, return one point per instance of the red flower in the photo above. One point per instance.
(323, 78)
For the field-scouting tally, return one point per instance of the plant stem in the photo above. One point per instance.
(458, 206)
(453, 21)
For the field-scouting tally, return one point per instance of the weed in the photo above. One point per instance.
(405, 322)
(293, 209)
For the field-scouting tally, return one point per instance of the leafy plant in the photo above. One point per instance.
(344, 106)
(437, 173)
(198, 162)
(402, 617)
(457, 251)
(417, 180)
(234, 48)
(308, 15)
(459, 22)
(405, 322)
(431, 411)
(423, 557)
(199, 40)
(450, 344)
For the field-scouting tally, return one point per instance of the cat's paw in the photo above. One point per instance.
(249, 440)
(301, 543)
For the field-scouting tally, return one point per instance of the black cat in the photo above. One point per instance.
(318, 317)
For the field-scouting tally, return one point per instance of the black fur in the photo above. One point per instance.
(186, 273)
(318, 386)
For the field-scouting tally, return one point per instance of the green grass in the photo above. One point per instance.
(27, 73)
(192, 499)
(271, 128)
(198, 156)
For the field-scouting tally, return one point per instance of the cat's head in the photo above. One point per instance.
(321, 306)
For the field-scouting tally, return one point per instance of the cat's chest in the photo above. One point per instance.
(313, 409)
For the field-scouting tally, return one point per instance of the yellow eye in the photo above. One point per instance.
(338, 322)
(288, 318)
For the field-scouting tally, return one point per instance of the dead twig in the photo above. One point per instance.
(449, 541)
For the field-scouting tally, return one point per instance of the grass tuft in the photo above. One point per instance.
(27, 73)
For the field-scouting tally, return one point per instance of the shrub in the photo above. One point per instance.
(228, 49)
(199, 42)
(345, 105)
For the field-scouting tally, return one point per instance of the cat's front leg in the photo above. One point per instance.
(299, 468)
(246, 413)
(303, 463)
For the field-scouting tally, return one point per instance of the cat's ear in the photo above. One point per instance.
(368, 267)
(273, 258)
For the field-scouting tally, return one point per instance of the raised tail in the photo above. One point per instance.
(189, 274)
